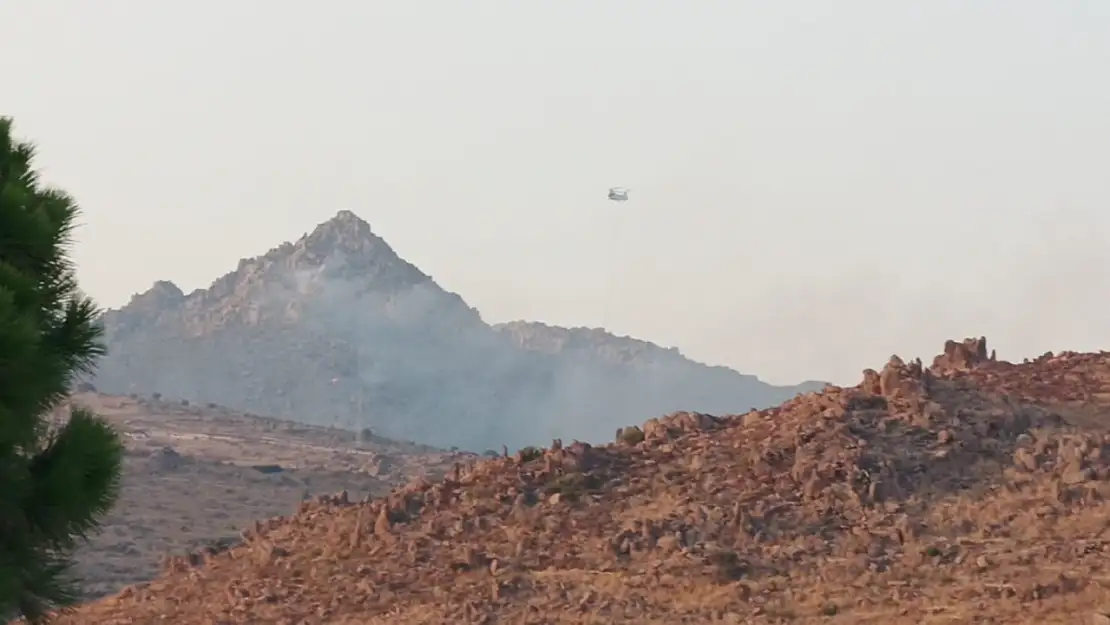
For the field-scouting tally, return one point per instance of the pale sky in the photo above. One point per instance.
(814, 185)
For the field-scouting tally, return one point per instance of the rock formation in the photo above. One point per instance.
(962, 356)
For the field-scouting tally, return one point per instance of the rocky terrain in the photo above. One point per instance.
(336, 329)
(970, 490)
(198, 475)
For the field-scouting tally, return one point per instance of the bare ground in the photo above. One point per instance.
(197, 476)
(973, 491)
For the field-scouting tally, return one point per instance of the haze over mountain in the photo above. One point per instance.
(337, 329)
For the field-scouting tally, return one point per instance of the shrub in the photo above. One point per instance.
(56, 482)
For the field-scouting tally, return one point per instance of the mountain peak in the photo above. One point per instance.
(343, 246)
(161, 294)
(347, 233)
(347, 222)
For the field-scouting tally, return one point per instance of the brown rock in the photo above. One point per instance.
(1076, 475)
(752, 418)
(382, 525)
(1025, 459)
(871, 382)
(962, 356)
(890, 380)
(655, 430)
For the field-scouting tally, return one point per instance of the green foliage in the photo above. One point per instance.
(57, 479)
(572, 486)
(630, 435)
(528, 454)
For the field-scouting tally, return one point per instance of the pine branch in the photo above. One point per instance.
(74, 480)
(55, 486)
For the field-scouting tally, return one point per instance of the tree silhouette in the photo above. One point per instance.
(58, 476)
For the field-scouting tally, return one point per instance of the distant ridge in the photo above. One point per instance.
(337, 329)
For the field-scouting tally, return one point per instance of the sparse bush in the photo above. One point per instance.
(568, 486)
(184, 402)
(630, 435)
(528, 454)
(572, 486)
(156, 396)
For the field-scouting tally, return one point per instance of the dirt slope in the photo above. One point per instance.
(194, 475)
(973, 491)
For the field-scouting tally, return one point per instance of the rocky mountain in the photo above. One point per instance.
(971, 491)
(337, 329)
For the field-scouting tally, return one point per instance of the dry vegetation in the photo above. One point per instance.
(197, 476)
(972, 491)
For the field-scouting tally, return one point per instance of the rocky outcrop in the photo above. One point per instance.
(963, 356)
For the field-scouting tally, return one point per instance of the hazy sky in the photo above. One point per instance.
(815, 185)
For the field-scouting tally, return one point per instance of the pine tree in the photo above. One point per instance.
(57, 477)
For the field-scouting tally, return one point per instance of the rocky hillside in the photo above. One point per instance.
(197, 475)
(971, 491)
(337, 329)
